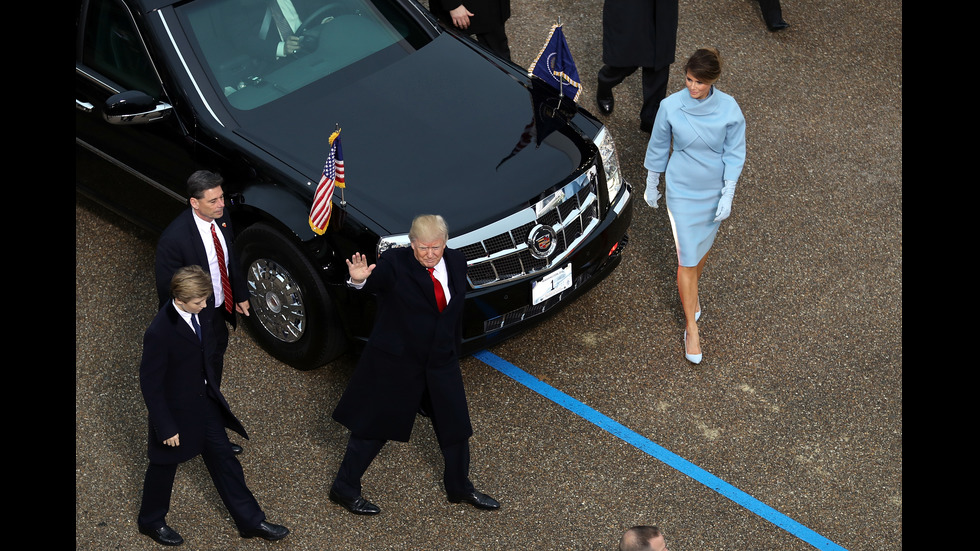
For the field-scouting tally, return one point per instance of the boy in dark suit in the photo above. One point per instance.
(188, 414)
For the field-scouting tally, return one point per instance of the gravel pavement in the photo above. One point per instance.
(798, 402)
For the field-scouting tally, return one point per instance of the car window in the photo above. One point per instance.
(241, 44)
(112, 46)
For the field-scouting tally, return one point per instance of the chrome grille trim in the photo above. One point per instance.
(500, 252)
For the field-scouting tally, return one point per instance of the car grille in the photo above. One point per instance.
(511, 248)
(524, 312)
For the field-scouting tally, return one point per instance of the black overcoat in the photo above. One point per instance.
(173, 371)
(413, 349)
(639, 33)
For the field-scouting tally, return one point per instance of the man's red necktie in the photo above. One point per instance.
(437, 287)
(225, 284)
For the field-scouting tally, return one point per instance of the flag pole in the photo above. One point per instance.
(561, 83)
(343, 200)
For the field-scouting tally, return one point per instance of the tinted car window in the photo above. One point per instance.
(238, 40)
(113, 47)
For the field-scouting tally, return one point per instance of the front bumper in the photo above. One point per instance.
(495, 313)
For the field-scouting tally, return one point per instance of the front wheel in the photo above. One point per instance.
(292, 316)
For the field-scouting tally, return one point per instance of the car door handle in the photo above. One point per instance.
(84, 106)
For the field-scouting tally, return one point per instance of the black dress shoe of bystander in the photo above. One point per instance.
(163, 535)
(476, 499)
(357, 505)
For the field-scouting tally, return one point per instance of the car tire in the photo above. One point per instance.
(292, 316)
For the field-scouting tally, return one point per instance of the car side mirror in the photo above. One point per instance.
(134, 107)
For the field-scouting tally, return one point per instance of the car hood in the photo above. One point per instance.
(443, 130)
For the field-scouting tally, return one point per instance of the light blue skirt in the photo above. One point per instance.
(692, 214)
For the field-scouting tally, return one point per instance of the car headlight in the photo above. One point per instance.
(610, 161)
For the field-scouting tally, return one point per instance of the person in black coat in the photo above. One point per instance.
(483, 19)
(410, 363)
(637, 33)
(188, 414)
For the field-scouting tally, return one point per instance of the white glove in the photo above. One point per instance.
(725, 203)
(652, 194)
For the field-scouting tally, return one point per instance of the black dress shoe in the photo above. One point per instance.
(236, 449)
(605, 104)
(265, 530)
(163, 535)
(776, 24)
(357, 505)
(476, 499)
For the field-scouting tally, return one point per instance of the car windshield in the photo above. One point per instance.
(260, 50)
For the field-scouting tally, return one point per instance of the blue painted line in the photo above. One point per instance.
(658, 452)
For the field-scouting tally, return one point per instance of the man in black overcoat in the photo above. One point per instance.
(637, 33)
(410, 363)
(188, 414)
(483, 19)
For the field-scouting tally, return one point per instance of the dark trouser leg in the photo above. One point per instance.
(495, 41)
(456, 456)
(654, 91)
(227, 474)
(220, 330)
(456, 477)
(219, 326)
(158, 484)
(772, 13)
(771, 8)
(609, 77)
(358, 457)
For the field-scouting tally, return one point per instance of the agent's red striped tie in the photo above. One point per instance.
(225, 284)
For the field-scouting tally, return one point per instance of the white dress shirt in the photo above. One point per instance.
(205, 229)
(292, 18)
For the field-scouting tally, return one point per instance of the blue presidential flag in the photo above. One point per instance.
(555, 65)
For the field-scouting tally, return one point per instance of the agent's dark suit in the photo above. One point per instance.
(487, 22)
(176, 379)
(411, 360)
(639, 33)
(181, 245)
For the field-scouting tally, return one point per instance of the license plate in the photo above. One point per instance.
(551, 284)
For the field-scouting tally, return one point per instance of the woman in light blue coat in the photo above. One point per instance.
(707, 130)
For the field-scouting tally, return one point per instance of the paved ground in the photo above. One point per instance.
(798, 402)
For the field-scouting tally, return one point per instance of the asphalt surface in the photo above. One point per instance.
(798, 402)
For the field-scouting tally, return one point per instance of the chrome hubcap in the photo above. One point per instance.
(277, 301)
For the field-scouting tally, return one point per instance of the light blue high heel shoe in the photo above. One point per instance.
(693, 358)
